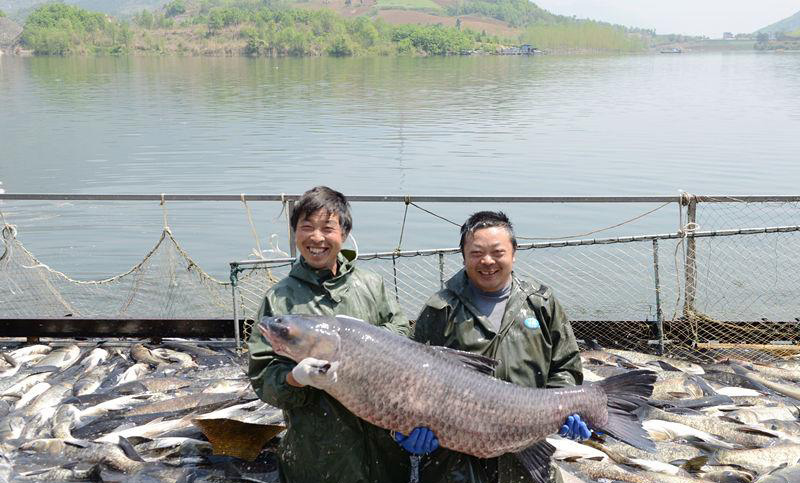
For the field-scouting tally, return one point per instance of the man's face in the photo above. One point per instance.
(489, 258)
(319, 238)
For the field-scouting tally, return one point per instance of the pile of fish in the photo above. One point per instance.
(182, 411)
(103, 412)
(726, 421)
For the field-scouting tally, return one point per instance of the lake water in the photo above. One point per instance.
(711, 123)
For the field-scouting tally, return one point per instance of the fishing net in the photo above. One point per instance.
(727, 282)
(165, 284)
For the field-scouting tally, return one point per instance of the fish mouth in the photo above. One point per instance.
(276, 333)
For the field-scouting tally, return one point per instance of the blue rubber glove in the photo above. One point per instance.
(574, 428)
(419, 442)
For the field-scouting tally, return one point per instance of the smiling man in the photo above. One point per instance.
(486, 309)
(324, 442)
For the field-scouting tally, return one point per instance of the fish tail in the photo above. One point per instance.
(625, 394)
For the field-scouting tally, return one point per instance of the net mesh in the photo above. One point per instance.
(742, 294)
(165, 284)
(727, 280)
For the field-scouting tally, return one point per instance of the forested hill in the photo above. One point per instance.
(787, 25)
(316, 27)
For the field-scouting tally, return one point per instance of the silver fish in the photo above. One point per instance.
(760, 460)
(64, 419)
(70, 472)
(97, 356)
(61, 358)
(109, 454)
(136, 371)
(183, 360)
(790, 474)
(143, 355)
(468, 411)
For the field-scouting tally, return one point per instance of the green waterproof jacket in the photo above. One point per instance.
(534, 347)
(325, 442)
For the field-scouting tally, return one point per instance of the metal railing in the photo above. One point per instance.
(687, 271)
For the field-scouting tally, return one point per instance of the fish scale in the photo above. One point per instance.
(399, 384)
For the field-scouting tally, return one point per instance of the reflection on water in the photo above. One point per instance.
(711, 123)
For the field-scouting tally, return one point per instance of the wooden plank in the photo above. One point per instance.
(760, 347)
(144, 328)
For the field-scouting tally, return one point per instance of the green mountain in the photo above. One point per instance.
(789, 24)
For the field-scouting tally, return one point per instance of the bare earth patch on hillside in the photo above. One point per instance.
(491, 26)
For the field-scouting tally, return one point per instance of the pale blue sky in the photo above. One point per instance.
(694, 17)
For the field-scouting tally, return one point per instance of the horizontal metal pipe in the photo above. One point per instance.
(355, 198)
(401, 198)
(552, 244)
(145, 328)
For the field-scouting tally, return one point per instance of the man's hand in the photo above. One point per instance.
(574, 428)
(419, 442)
(315, 373)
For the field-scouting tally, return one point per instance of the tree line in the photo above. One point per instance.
(274, 28)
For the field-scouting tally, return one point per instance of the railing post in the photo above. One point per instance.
(235, 295)
(441, 270)
(690, 263)
(289, 211)
(659, 312)
(394, 272)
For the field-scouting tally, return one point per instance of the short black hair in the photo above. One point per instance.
(486, 219)
(323, 198)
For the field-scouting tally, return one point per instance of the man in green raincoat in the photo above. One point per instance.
(324, 442)
(486, 309)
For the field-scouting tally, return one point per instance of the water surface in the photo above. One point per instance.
(714, 123)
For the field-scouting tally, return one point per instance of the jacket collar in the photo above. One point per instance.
(345, 260)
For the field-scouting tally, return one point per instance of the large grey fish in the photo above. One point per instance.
(69, 472)
(612, 472)
(97, 356)
(90, 380)
(60, 358)
(790, 390)
(728, 431)
(760, 460)
(113, 455)
(142, 354)
(789, 474)
(399, 384)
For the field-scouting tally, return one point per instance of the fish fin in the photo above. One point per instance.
(79, 443)
(693, 465)
(482, 364)
(627, 364)
(137, 440)
(759, 431)
(625, 393)
(679, 410)
(664, 365)
(592, 344)
(127, 448)
(38, 370)
(703, 385)
(536, 459)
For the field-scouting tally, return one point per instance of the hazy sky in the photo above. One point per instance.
(693, 17)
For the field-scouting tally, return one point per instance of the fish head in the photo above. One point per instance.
(301, 336)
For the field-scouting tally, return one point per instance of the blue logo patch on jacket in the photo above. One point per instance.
(531, 323)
